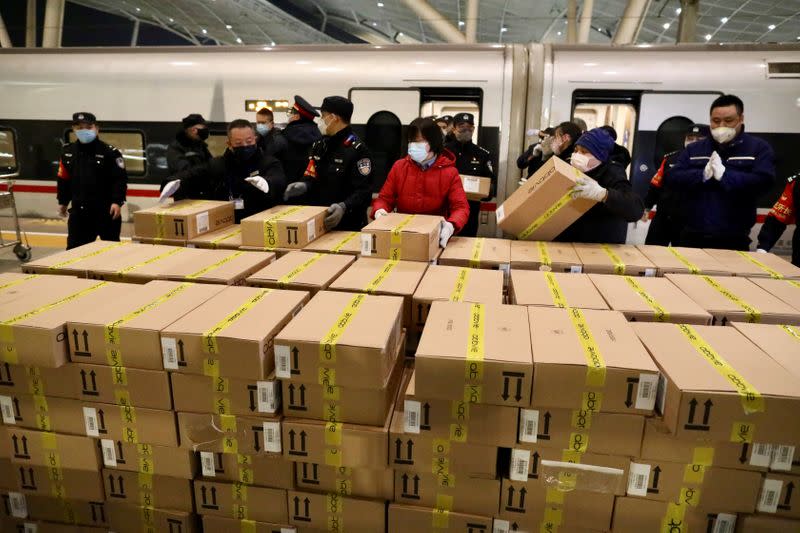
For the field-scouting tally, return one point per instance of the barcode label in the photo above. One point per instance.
(7, 410)
(528, 425)
(272, 437)
(282, 367)
(782, 457)
(501, 526)
(520, 460)
(19, 506)
(725, 523)
(500, 213)
(29, 527)
(770, 492)
(90, 421)
(169, 352)
(202, 222)
(207, 464)
(648, 389)
(288, 530)
(366, 244)
(761, 455)
(411, 410)
(311, 229)
(267, 396)
(109, 453)
(649, 272)
(471, 184)
(661, 394)
(576, 269)
(638, 479)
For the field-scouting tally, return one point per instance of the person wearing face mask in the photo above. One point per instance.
(300, 133)
(722, 178)
(670, 218)
(472, 160)
(270, 139)
(445, 123)
(91, 186)
(189, 149)
(339, 171)
(537, 153)
(244, 174)
(425, 182)
(605, 183)
(563, 143)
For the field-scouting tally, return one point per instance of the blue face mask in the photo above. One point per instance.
(262, 129)
(86, 136)
(418, 151)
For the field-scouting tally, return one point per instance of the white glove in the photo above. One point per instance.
(708, 172)
(169, 189)
(445, 232)
(522, 181)
(380, 213)
(259, 183)
(716, 166)
(537, 150)
(589, 189)
(761, 251)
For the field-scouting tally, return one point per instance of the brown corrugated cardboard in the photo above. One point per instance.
(218, 524)
(542, 207)
(554, 289)
(735, 299)
(124, 518)
(19, 525)
(261, 470)
(782, 343)
(53, 509)
(147, 490)
(385, 277)
(767, 524)
(156, 240)
(590, 360)
(403, 518)
(447, 283)
(332, 512)
(756, 265)
(547, 256)
(458, 420)
(478, 252)
(448, 491)
(341, 339)
(117, 385)
(284, 226)
(279, 252)
(78, 261)
(59, 482)
(224, 267)
(231, 334)
(682, 260)
(9, 280)
(230, 434)
(7, 474)
(337, 242)
(778, 495)
(376, 483)
(33, 315)
(161, 460)
(240, 501)
(185, 219)
(124, 267)
(38, 448)
(194, 393)
(595, 472)
(476, 187)
(649, 300)
(229, 238)
(399, 236)
(479, 352)
(719, 386)
(121, 324)
(787, 290)
(636, 514)
(304, 271)
(614, 259)
(21, 379)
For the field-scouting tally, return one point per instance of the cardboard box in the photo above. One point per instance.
(476, 187)
(458, 420)
(385, 277)
(135, 316)
(37, 448)
(333, 512)
(284, 226)
(116, 385)
(683, 260)
(279, 252)
(766, 524)
(303, 271)
(78, 261)
(7, 474)
(194, 393)
(636, 514)
(756, 265)
(735, 299)
(33, 317)
(448, 491)
(614, 259)
(590, 360)
(184, 219)
(155, 240)
(496, 371)
(125, 267)
(423, 520)
(230, 434)
(703, 369)
(554, 289)
(337, 242)
(240, 501)
(147, 490)
(18, 380)
(124, 518)
(59, 482)
(229, 238)
(341, 339)
(649, 300)
(494, 254)
(231, 334)
(51, 509)
(230, 525)
(547, 256)
(376, 483)
(161, 460)
(20, 525)
(399, 236)
(9, 280)
(778, 495)
(565, 429)
(224, 267)
(261, 470)
(542, 208)
(784, 289)
(449, 284)
(782, 343)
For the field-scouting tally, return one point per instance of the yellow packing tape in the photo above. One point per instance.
(544, 254)
(774, 274)
(247, 526)
(619, 266)
(327, 346)
(703, 455)
(271, 237)
(661, 314)
(793, 331)
(477, 251)
(553, 516)
(130, 433)
(595, 364)
(215, 266)
(555, 290)
(395, 250)
(97, 252)
(387, 268)
(287, 278)
(793, 283)
(146, 496)
(18, 281)
(673, 519)
(338, 248)
(542, 219)
(694, 474)
(42, 413)
(334, 508)
(228, 428)
(111, 330)
(440, 519)
(231, 235)
(246, 474)
(175, 206)
(753, 314)
(159, 257)
(461, 285)
(210, 345)
(35, 382)
(444, 501)
(475, 354)
(239, 495)
(694, 269)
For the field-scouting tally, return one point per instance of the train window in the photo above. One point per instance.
(670, 136)
(384, 137)
(621, 117)
(129, 143)
(440, 108)
(8, 151)
(217, 143)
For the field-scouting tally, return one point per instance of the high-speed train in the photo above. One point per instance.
(648, 94)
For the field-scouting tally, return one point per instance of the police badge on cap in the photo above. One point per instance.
(83, 117)
(461, 118)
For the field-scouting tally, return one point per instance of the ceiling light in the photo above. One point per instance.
(374, 23)
(666, 25)
(303, 62)
(771, 27)
(138, 9)
(460, 22)
(204, 31)
(228, 27)
(400, 34)
(724, 20)
(590, 64)
(559, 33)
(272, 43)
(708, 37)
(239, 40)
(267, 48)
(380, 4)
(610, 72)
(504, 29)
(171, 19)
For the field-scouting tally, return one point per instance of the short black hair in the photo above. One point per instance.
(266, 111)
(571, 129)
(727, 100)
(429, 131)
(239, 123)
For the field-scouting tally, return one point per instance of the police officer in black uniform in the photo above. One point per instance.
(92, 178)
(471, 160)
(301, 132)
(339, 171)
(189, 149)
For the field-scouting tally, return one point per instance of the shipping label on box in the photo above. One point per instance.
(240, 501)
(262, 470)
(230, 434)
(333, 512)
(284, 226)
(402, 237)
(184, 219)
(777, 496)
(376, 483)
(147, 490)
(225, 396)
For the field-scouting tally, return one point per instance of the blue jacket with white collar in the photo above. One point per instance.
(728, 206)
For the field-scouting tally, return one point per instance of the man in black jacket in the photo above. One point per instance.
(270, 139)
(189, 149)
(245, 175)
(607, 185)
(300, 133)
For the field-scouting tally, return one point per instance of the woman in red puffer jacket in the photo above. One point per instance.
(425, 182)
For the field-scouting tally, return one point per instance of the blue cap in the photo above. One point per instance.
(598, 142)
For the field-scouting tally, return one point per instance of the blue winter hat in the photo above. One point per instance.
(598, 142)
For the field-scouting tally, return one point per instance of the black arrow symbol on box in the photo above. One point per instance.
(707, 412)
(86, 341)
(302, 396)
(410, 448)
(17, 414)
(75, 340)
(295, 360)
(314, 468)
(710, 524)
(511, 491)
(787, 500)
(426, 416)
(745, 448)
(302, 441)
(534, 466)
(505, 389)
(291, 439)
(204, 495)
(214, 496)
(256, 444)
(405, 483)
(522, 492)
(252, 391)
(291, 395)
(296, 506)
(181, 354)
(8, 374)
(397, 444)
(692, 409)
(416, 484)
(656, 476)
(629, 397)
(546, 431)
(518, 395)
(101, 417)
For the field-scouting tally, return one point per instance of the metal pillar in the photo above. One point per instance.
(30, 25)
(572, 29)
(429, 14)
(585, 22)
(687, 23)
(135, 34)
(53, 24)
(5, 40)
(472, 21)
(631, 22)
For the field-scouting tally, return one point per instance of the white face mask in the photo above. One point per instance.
(583, 162)
(323, 126)
(418, 151)
(723, 134)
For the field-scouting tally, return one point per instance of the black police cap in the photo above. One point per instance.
(305, 109)
(698, 129)
(338, 105)
(84, 116)
(193, 120)
(448, 119)
(460, 118)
